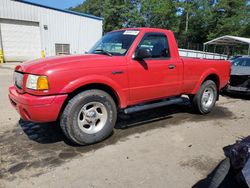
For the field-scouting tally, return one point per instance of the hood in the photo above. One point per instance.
(240, 70)
(64, 63)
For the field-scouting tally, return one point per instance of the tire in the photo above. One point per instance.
(220, 174)
(89, 117)
(204, 101)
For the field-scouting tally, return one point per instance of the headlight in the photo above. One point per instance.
(37, 82)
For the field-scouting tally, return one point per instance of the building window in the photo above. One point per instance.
(62, 49)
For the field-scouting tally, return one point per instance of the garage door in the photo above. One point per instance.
(21, 40)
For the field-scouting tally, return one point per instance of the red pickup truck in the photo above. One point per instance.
(130, 69)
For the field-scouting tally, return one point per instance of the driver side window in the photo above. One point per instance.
(156, 44)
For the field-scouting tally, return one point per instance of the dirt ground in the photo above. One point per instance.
(164, 147)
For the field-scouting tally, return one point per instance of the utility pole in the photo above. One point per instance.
(187, 20)
(187, 16)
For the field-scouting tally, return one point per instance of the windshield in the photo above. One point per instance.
(242, 62)
(115, 43)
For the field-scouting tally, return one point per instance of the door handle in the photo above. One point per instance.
(117, 72)
(171, 66)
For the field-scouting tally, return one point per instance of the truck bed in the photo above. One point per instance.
(200, 54)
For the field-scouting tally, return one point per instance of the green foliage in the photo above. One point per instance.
(159, 13)
(94, 7)
(194, 21)
(232, 18)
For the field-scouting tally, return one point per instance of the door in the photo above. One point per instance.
(159, 75)
(21, 40)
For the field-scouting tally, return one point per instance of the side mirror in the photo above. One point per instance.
(142, 53)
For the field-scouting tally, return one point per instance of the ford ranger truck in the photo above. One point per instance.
(129, 69)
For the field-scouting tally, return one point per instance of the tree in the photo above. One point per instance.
(94, 7)
(231, 18)
(159, 13)
(196, 21)
(193, 21)
(132, 13)
(116, 13)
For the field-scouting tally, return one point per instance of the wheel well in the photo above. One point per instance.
(102, 87)
(214, 78)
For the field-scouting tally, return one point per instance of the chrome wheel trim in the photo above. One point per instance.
(92, 117)
(207, 97)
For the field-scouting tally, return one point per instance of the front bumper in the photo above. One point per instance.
(234, 89)
(36, 108)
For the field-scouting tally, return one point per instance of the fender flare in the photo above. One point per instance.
(203, 77)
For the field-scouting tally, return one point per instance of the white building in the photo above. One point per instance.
(29, 30)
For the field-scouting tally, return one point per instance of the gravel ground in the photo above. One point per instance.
(164, 147)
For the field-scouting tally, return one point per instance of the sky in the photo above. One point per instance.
(61, 4)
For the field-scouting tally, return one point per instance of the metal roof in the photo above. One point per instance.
(229, 41)
(61, 10)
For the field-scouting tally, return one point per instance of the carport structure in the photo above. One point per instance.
(228, 41)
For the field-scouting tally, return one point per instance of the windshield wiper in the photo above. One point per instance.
(103, 52)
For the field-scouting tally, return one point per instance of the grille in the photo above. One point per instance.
(18, 80)
(236, 80)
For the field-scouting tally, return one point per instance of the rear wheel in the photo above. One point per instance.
(205, 99)
(89, 117)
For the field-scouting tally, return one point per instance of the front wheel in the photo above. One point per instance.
(205, 99)
(89, 117)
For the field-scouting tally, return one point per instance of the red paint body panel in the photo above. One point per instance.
(138, 83)
(196, 71)
(157, 80)
(36, 108)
